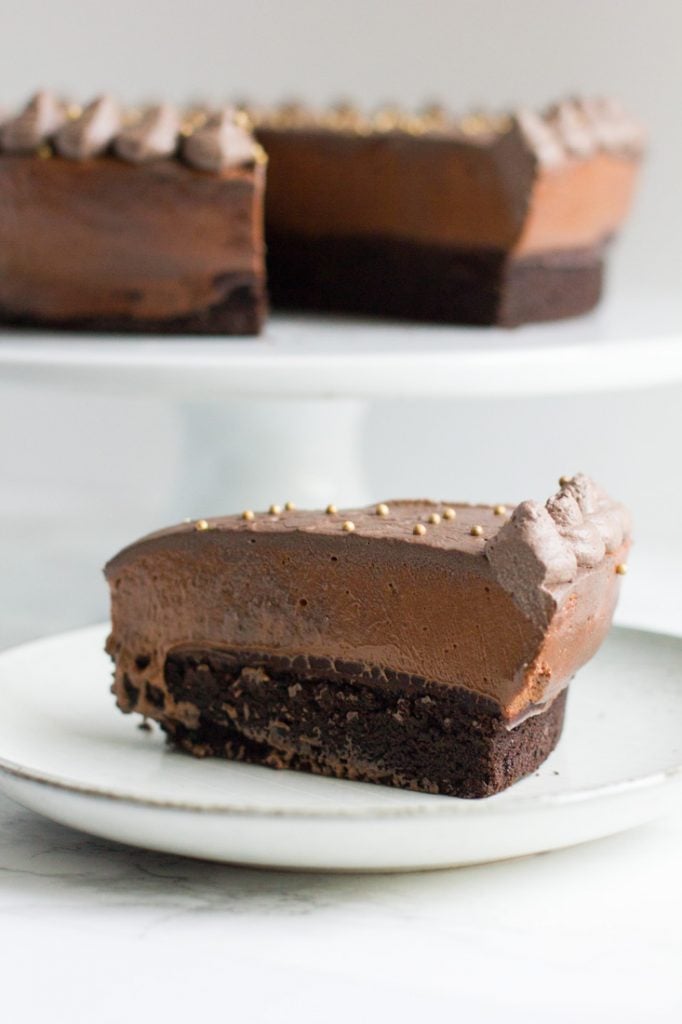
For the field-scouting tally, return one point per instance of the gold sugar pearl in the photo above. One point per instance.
(289, 506)
(434, 518)
(382, 510)
(242, 119)
(622, 569)
(449, 513)
(419, 529)
(348, 526)
(474, 123)
(500, 510)
(274, 510)
(248, 515)
(387, 119)
(331, 510)
(201, 524)
(563, 480)
(476, 531)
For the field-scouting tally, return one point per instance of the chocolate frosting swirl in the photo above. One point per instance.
(581, 532)
(611, 125)
(42, 116)
(609, 519)
(91, 133)
(578, 129)
(540, 137)
(220, 143)
(544, 546)
(529, 556)
(573, 129)
(153, 137)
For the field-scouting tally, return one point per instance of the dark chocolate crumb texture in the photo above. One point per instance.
(480, 219)
(145, 221)
(420, 644)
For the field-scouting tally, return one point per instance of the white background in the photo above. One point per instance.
(590, 934)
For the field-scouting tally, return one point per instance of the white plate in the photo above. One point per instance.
(66, 752)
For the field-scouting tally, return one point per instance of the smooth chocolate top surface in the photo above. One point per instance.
(204, 139)
(573, 529)
(485, 600)
(524, 182)
(572, 128)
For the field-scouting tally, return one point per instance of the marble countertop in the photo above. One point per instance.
(592, 933)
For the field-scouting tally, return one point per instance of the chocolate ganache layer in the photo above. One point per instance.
(415, 643)
(143, 221)
(481, 219)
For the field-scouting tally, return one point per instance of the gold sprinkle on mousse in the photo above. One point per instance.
(622, 569)
(201, 524)
(248, 515)
(476, 531)
(419, 529)
(434, 519)
(274, 510)
(331, 510)
(348, 526)
(382, 509)
(449, 513)
(500, 510)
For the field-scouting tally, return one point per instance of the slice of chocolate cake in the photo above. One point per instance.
(137, 222)
(419, 644)
(478, 220)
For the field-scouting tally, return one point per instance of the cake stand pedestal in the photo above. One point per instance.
(281, 417)
(249, 453)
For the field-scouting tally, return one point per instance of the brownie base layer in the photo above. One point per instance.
(391, 278)
(343, 720)
(242, 310)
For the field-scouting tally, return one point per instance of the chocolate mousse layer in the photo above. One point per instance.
(482, 219)
(420, 644)
(148, 221)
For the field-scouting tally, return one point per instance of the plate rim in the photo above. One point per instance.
(451, 807)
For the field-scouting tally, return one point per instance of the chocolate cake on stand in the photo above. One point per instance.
(255, 414)
(131, 221)
(481, 219)
(152, 220)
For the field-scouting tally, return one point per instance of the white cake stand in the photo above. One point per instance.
(283, 414)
